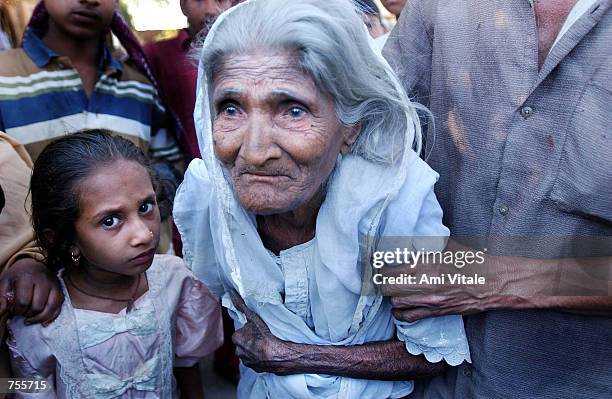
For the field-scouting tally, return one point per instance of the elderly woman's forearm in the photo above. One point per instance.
(387, 360)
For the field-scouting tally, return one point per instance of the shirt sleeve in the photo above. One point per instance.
(437, 338)
(417, 218)
(409, 49)
(16, 233)
(199, 328)
(29, 361)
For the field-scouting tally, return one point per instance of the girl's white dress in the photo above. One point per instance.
(90, 354)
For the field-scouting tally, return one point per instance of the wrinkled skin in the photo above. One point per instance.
(276, 132)
(261, 351)
(255, 344)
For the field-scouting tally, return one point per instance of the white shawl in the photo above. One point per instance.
(222, 246)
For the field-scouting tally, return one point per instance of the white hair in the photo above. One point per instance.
(333, 46)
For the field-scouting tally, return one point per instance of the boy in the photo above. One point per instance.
(65, 79)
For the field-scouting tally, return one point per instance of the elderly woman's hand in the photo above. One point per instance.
(261, 351)
(256, 346)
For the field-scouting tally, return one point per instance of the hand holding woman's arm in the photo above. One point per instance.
(261, 351)
(512, 282)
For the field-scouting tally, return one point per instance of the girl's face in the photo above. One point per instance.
(83, 19)
(118, 226)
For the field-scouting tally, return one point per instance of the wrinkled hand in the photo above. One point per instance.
(256, 346)
(509, 280)
(38, 296)
(460, 303)
(417, 307)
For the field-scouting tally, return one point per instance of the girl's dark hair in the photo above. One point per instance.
(2, 200)
(58, 173)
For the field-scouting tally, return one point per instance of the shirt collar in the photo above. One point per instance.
(36, 49)
(42, 55)
(109, 62)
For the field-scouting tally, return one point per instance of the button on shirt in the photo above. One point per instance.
(535, 160)
(294, 262)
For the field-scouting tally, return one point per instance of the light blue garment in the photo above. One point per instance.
(363, 200)
(330, 309)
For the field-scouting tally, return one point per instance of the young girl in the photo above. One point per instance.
(133, 324)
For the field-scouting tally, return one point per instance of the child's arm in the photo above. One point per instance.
(189, 382)
(198, 327)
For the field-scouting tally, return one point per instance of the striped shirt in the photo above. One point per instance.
(42, 98)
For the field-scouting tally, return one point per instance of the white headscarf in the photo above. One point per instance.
(222, 246)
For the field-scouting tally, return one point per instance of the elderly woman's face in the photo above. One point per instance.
(275, 130)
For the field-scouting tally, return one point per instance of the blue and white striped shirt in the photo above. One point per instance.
(42, 98)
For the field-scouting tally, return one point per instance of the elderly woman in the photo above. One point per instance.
(307, 141)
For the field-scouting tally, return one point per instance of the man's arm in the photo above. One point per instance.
(35, 290)
(261, 351)
(514, 283)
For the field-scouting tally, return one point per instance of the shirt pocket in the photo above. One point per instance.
(583, 182)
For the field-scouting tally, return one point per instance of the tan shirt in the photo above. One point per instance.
(16, 234)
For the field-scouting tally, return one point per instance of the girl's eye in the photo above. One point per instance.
(110, 221)
(146, 207)
(296, 112)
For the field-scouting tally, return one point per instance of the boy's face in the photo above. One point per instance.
(395, 7)
(199, 11)
(83, 19)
